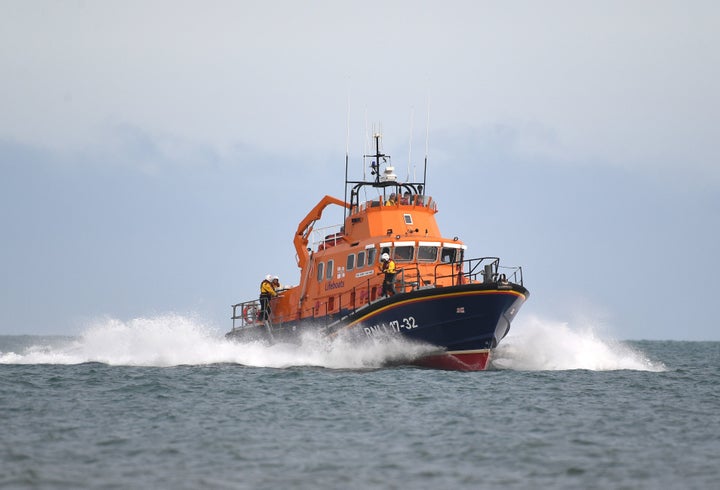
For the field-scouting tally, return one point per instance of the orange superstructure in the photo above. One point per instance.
(340, 270)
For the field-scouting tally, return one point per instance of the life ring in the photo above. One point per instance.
(249, 313)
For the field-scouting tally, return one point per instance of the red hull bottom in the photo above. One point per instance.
(457, 361)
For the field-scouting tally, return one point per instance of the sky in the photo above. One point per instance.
(156, 157)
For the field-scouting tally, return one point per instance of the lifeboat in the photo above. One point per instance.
(461, 306)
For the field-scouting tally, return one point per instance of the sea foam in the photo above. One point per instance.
(536, 344)
(171, 340)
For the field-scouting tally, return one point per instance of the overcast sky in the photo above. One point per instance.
(156, 156)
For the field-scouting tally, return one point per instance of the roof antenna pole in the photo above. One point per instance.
(427, 138)
(347, 134)
(347, 155)
(412, 116)
(365, 151)
(366, 140)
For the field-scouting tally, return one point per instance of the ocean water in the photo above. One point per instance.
(167, 403)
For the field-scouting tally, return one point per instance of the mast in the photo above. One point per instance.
(377, 156)
(383, 176)
(375, 166)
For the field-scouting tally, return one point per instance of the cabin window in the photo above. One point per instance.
(408, 219)
(450, 255)
(361, 260)
(371, 255)
(350, 262)
(321, 269)
(329, 274)
(404, 253)
(427, 254)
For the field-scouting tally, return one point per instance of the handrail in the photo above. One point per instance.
(408, 278)
(248, 314)
(483, 269)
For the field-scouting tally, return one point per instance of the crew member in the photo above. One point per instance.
(392, 201)
(387, 267)
(267, 291)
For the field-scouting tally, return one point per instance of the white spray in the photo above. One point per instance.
(535, 344)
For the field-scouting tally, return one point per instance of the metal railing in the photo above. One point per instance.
(478, 270)
(326, 237)
(245, 314)
(408, 278)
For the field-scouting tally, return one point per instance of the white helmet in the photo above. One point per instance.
(276, 278)
(385, 256)
(269, 278)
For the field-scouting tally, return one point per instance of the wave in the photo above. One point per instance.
(535, 344)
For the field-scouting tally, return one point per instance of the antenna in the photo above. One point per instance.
(347, 156)
(347, 135)
(366, 139)
(427, 127)
(365, 144)
(412, 117)
(427, 138)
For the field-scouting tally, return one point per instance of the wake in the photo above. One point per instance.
(173, 340)
(539, 345)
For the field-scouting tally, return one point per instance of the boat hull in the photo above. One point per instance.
(464, 322)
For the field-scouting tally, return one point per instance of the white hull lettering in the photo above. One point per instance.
(395, 326)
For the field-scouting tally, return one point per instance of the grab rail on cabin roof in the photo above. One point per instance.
(327, 236)
(416, 200)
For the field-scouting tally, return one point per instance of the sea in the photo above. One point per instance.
(167, 403)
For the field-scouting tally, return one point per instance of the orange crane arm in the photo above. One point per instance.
(306, 226)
